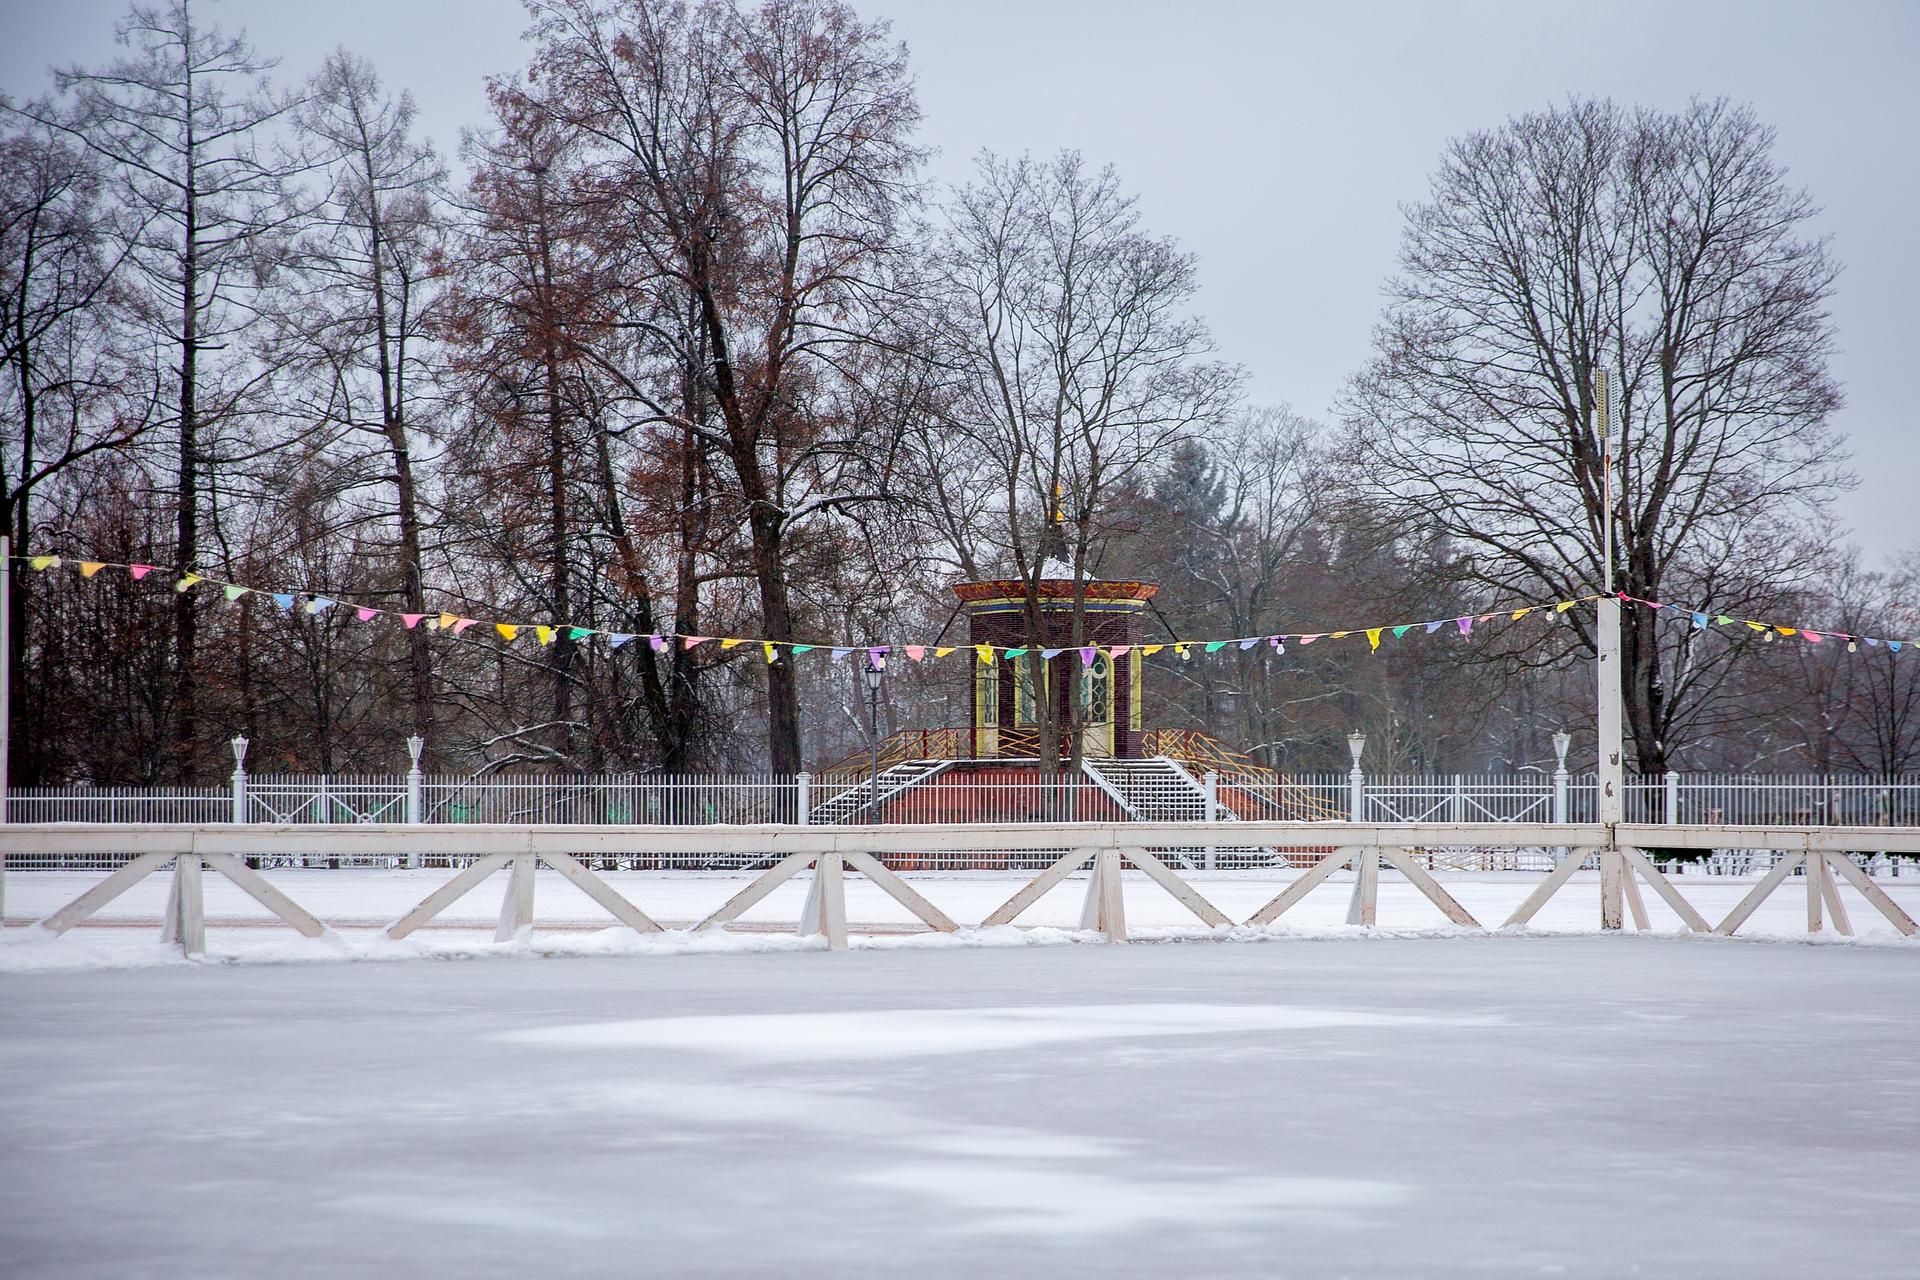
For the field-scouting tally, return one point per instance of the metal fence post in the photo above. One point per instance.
(1210, 784)
(415, 744)
(240, 779)
(803, 795)
(1673, 797)
(1356, 780)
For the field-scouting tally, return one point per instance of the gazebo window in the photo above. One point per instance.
(986, 695)
(1096, 689)
(1026, 707)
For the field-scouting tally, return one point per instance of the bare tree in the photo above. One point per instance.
(67, 390)
(1670, 249)
(1075, 370)
(760, 161)
(181, 124)
(351, 312)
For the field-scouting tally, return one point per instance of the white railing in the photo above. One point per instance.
(1826, 856)
(988, 791)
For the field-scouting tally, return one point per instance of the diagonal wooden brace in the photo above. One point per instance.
(448, 894)
(1302, 886)
(1036, 888)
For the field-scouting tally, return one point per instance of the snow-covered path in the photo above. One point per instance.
(1525, 1106)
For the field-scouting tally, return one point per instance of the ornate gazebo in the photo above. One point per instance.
(1042, 660)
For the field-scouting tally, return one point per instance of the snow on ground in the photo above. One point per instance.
(358, 903)
(1538, 1105)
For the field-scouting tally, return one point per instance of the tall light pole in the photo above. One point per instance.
(875, 672)
(1609, 717)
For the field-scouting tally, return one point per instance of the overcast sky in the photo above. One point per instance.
(1278, 141)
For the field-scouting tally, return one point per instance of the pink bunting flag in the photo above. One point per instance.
(411, 620)
(1814, 636)
(139, 571)
(918, 652)
(365, 614)
(1120, 650)
(462, 625)
(1308, 639)
(687, 642)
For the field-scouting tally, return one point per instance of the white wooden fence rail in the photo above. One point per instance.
(833, 851)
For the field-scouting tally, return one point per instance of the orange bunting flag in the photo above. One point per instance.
(90, 567)
(508, 631)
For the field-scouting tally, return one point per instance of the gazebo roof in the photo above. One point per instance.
(997, 590)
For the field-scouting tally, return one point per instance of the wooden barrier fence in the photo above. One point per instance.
(832, 851)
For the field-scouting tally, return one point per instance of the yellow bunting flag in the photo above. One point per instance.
(43, 563)
(507, 630)
(543, 634)
(1518, 614)
(90, 567)
(1373, 637)
(1756, 626)
(1787, 631)
(188, 582)
(1563, 606)
(767, 647)
(985, 651)
(943, 652)
(1339, 635)
(731, 643)
(1149, 650)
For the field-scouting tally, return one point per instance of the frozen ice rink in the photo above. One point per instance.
(1470, 1106)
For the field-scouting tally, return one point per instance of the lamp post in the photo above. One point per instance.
(1366, 861)
(875, 671)
(240, 778)
(1356, 781)
(1561, 741)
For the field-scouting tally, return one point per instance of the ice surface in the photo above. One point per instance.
(1452, 1107)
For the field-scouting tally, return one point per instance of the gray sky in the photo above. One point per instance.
(1277, 142)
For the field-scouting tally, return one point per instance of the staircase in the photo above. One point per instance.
(1158, 789)
(857, 803)
(1153, 790)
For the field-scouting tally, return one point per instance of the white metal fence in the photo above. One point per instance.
(1002, 793)
(927, 794)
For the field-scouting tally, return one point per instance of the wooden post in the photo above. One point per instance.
(1814, 922)
(516, 908)
(1364, 907)
(833, 900)
(189, 923)
(1105, 906)
(6, 709)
